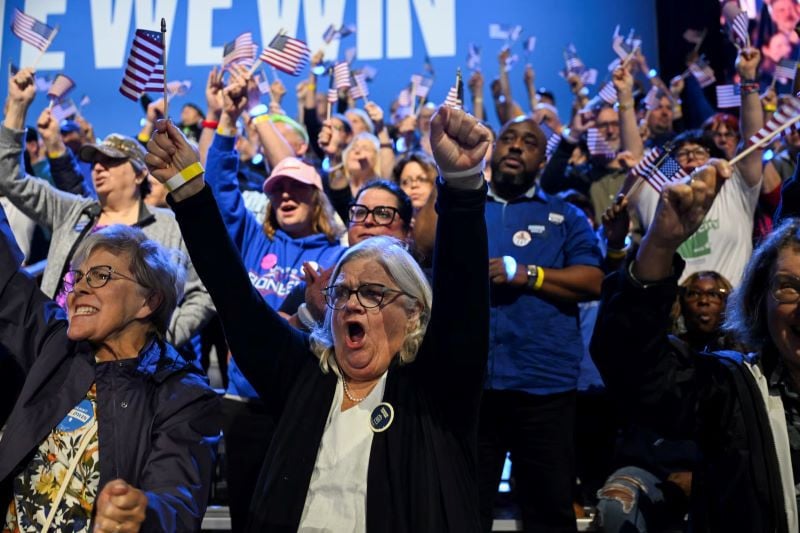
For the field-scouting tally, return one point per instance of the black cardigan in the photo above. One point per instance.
(422, 473)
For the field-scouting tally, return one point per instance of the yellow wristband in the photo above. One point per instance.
(616, 254)
(258, 119)
(184, 176)
(227, 132)
(55, 155)
(311, 87)
(770, 108)
(539, 278)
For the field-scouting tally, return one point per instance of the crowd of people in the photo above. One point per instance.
(400, 299)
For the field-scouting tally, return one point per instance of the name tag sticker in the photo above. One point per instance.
(78, 416)
(536, 229)
(555, 218)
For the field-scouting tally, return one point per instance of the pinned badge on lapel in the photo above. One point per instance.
(382, 417)
(521, 238)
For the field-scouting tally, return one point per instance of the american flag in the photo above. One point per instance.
(346, 30)
(341, 76)
(85, 100)
(589, 76)
(286, 54)
(646, 166)
(330, 34)
(499, 31)
(60, 87)
(241, 50)
(452, 99)
(597, 144)
(333, 96)
(156, 82)
(30, 30)
(669, 171)
(552, 144)
(145, 56)
(651, 99)
(359, 88)
(473, 57)
(529, 45)
(786, 69)
(64, 110)
(739, 30)
(403, 104)
(786, 112)
(608, 93)
(728, 96)
(422, 85)
(703, 73)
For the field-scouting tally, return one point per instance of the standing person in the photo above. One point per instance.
(111, 429)
(739, 409)
(544, 260)
(336, 462)
(120, 180)
(299, 227)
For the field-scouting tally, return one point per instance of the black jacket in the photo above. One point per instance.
(158, 419)
(422, 473)
(710, 399)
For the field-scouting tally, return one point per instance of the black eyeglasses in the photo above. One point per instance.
(785, 289)
(96, 277)
(382, 215)
(369, 295)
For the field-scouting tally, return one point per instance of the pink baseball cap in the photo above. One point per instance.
(295, 169)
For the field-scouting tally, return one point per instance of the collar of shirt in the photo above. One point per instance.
(533, 192)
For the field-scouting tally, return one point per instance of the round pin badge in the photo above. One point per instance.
(381, 417)
(521, 238)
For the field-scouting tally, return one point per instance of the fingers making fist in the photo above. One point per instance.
(458, 140)
(120, 507)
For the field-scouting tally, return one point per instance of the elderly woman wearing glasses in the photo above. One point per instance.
(111, 429)
(739, 411)
(377, 409)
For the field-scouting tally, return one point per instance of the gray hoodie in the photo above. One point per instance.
(70, 217)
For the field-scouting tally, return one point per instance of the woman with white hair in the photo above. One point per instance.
(110, 429)
(377, 410)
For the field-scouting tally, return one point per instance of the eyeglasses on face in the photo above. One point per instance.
(714, 295)
(96, 277)
(382, 215)
(785, 289)
(698, 153)
(369, 295)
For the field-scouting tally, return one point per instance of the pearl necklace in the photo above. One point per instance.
(347, 392)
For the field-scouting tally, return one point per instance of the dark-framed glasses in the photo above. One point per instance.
(697, 154)
(96, 277)
(713, 295)
(785, 289)
(382, 215)
(369, 295)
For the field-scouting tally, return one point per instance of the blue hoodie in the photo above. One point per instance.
(275, 266)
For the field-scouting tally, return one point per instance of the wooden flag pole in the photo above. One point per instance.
(763, 142)
(42, 52)
(164, 62)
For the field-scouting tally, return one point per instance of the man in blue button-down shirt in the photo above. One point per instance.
(544, 260)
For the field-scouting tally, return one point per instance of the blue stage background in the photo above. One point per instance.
(393, 36)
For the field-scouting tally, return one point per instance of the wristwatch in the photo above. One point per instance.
(533, 274)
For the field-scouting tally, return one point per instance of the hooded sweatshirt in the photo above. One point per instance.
(275, 265)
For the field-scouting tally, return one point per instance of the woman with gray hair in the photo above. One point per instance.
(377, 410)
(111, 429)
(739, 413)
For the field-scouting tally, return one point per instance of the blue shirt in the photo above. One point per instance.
(535, 343)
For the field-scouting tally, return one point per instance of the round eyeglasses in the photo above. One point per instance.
(369, 295)
(96, 277)
(382, 215)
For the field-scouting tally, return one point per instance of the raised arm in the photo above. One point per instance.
(751, 118)
(629, 136)
(33, 196)
(268, 350)
(460, 316)
(63, 167)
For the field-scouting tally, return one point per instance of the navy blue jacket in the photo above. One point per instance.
(158, 419)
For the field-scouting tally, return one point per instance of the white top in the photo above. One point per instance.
(21, 226)
(724, 241)
(337, 494)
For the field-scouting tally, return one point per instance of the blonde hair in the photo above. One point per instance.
(323, 218)
(391, 254)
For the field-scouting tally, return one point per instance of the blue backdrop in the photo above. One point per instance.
(393, 36)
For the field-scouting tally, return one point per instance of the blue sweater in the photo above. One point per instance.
(275, 265)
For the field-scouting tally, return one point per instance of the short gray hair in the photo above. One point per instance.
(159, 269)
(392, 255)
